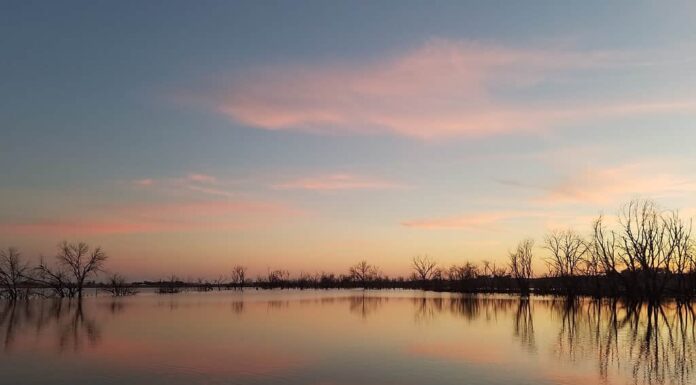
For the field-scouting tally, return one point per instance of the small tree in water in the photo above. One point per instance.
(12, 272)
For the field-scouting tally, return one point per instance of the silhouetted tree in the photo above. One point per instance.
(239, 275)
(603, 252)
(649, 242)
(363, 272)
(424, 267)
(521, 265)
(80, 263)
(463, 272)
(278, 277)
(12, 273)
(56, 279)
(566, 249)
(118, 287)
(171, 286)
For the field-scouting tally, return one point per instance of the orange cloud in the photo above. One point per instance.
(336, 182)
(442, 89)
(608, 185)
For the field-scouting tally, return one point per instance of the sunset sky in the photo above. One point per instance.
(188, 136)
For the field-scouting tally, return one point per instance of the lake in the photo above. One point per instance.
(344, 337)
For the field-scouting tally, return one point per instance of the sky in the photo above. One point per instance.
(185, 137)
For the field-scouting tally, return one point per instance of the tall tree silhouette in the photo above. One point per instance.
(521, 265)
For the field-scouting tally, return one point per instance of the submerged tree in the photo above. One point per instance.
(75, 263)
(12, 273)
(118, 287)
(521, 265)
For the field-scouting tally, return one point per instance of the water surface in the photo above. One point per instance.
(344, 337)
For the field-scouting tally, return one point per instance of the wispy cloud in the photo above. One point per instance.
(613, 184)
(171, 217)
(610, 184)
(202, 183)
(201, 178)
(337, 182)
(472, 220)
(441, 89)
(143, 182)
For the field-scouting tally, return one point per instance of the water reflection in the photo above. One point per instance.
(523, 328)
(363, 305)
(657, 343)
(67, 323)
(609, 340)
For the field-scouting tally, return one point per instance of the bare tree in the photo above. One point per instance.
(171, 286)
(486, 268)
(75, 263)
(118, 287)
(80, 262)
(219, 282)
(56, 279)
(603, 254)
(363, 272)
(239, 275)
(649, 241)
(681, 262)
(567, 249)
(278, 277)
(12, 272)
(521, 264)
(424, 267)
(463, 272)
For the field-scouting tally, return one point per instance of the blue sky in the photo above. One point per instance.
(189, 136)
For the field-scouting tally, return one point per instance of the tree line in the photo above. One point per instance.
(647, 253)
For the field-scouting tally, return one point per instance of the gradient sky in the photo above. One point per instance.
(187, 136)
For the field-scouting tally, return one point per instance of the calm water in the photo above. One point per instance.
(344, 337)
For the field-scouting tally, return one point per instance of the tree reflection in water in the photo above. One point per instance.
(524, 324)
(364, 305)
(657, 341)
(646, 343)
(66, 320)
(654, 343)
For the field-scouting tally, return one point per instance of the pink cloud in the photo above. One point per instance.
(337, 182)
(442, 89)
(144, 182)
(211, 191)
(67, 227)
(188, 216)
(201, 178)
(471, 220)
